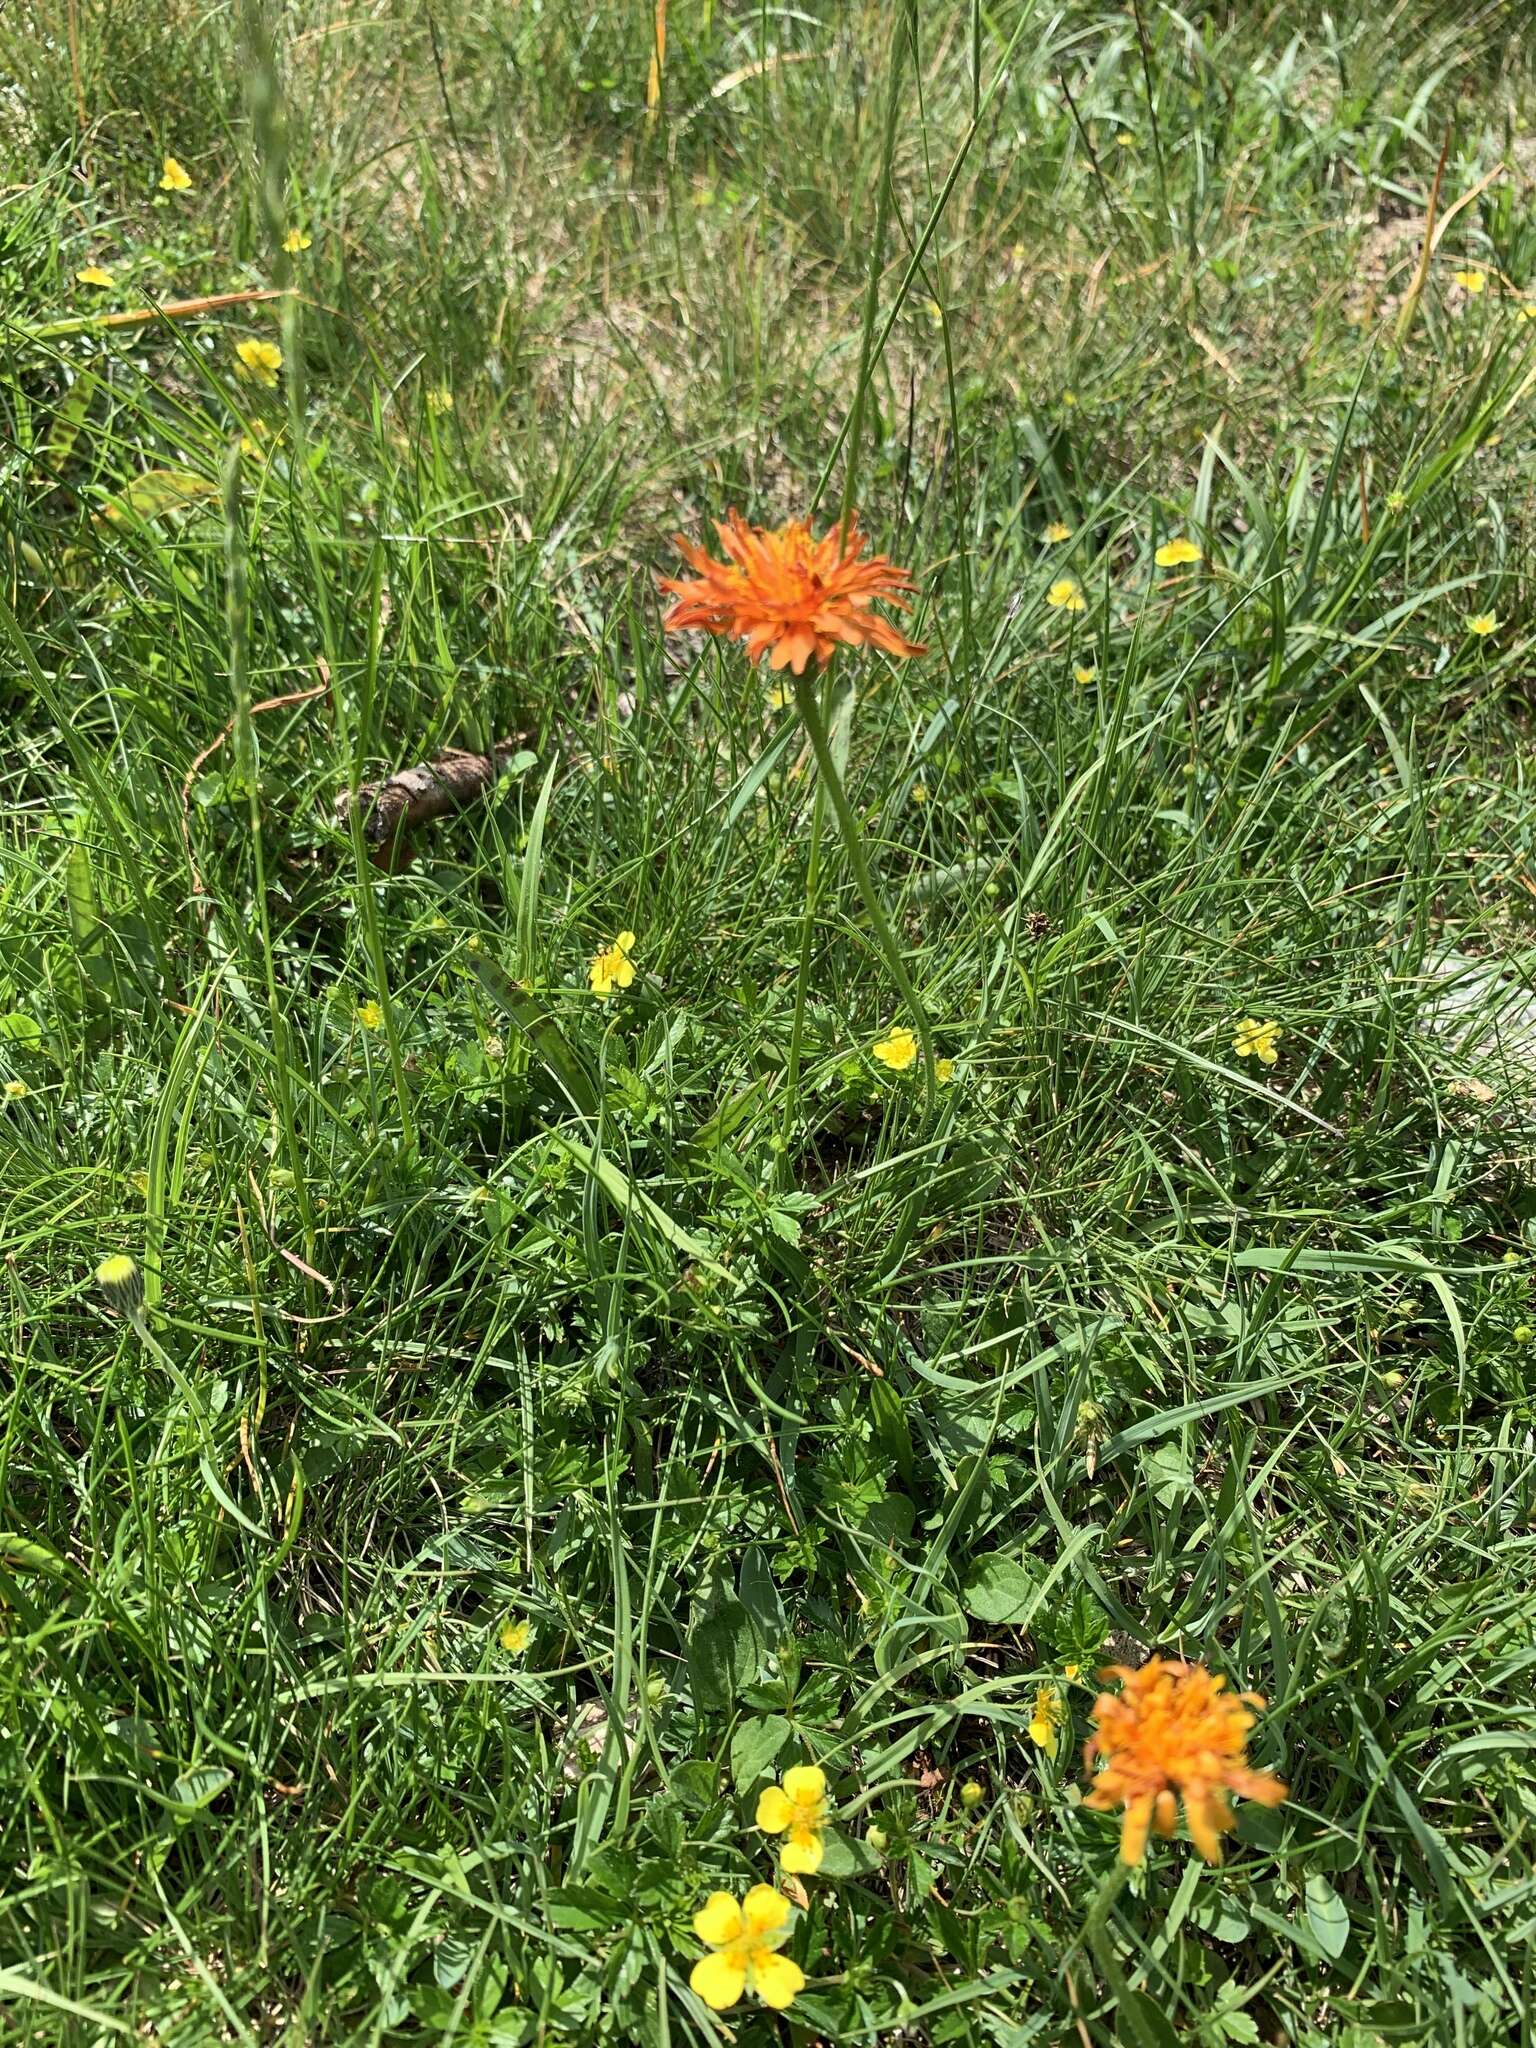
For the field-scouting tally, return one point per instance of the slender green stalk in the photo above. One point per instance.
(803, 970)
(237, 623)
(854, 429)
(848, 827)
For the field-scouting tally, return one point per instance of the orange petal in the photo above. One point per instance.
(1135, 1828)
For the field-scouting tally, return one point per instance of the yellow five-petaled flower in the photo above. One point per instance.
(260, 361)
(1483, 623)
(612, 967)
(797, 1810)
(296, 241)
(745, 1940)
(898, 1050)
(174, 177)
(94, 274)
(1177, 553)
(1066, 595)
(1058, 530)
(1257, 1038)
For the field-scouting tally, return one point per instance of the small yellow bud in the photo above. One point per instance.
(121, 1282)
(1523, 1333)
(971, 1794)
(878, 1840)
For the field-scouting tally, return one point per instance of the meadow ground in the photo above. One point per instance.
(550, 1415)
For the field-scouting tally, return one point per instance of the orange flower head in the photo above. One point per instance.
(1173, 1731)
(783, 590)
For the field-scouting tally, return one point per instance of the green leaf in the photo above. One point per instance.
(26, 1554)
(845, 1857)
(544, 1037)
(755, 1747)
(198, 1788)
(1168, 1474)
(999, 1589)
(162, 490)
(760, 1596)
(1141, 2022)
(696, 1783)
(632, 1200)
(20, 1029)
(1221, 1917)
(722, 1657)
(1327, 1916)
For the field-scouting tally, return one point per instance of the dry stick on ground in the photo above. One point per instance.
(411, 796)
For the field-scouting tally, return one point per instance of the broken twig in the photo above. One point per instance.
(411, 796)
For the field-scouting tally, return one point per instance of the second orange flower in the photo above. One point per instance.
(789, 595)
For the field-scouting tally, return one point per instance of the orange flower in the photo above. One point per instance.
(1172, 1731)
(781, 589)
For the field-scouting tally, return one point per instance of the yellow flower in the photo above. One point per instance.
(943, 1070)
(370, 1016)
(1083, 674)
(260, 361)
(1066, 595)
(1057, 530)
(1528, 311)
(94, 274)
(897, 1050)
(1046, 1718)
(1473, 281)
(514, 1637)
(16, 1091)
(745, 1939)
(1069, 398)
(1070, 1671)
(1483, 623)
(1173, 1730)
(1176, 553)
(612, 967)
(1257, 1039)
(1124, 139)
(919, 792)
(439, 399)
(295, 240)
(797, 1810)
(173, 177)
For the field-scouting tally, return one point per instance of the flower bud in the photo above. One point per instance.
(971, 1794)
(878, 1840)
(121, 1282)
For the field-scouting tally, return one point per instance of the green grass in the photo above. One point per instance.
(795, 1422)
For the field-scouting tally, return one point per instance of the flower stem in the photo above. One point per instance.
(848, 827)
(1130, 2010)
(803, 972)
